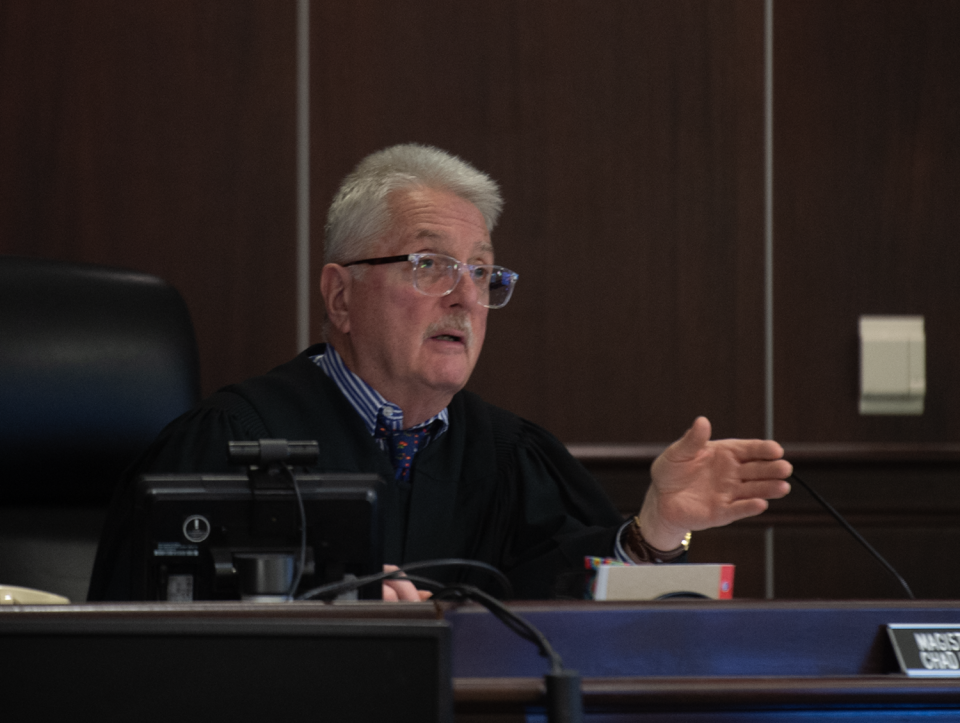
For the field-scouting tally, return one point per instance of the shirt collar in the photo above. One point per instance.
(367, 401)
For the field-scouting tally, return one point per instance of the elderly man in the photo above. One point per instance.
(408, 283)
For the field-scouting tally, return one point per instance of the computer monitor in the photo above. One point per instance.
(221, 537)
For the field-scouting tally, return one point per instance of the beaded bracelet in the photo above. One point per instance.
(645, 552)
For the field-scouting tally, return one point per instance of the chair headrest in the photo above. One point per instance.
(93, 363)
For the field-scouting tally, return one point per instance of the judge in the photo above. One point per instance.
(408, 282)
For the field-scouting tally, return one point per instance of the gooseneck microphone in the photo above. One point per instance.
(856, 535)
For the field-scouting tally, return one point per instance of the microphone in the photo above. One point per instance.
(856, 535)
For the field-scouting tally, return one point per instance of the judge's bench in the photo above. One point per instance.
(679, 660)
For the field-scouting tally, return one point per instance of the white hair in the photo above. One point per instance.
(360, 213)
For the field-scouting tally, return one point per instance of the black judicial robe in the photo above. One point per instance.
(494, 487)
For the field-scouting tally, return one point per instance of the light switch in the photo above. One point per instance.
(893, 377)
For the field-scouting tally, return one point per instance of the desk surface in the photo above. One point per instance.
(656, 656)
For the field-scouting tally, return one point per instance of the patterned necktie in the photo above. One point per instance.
(403, 444)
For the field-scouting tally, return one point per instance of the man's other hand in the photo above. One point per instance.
(402, 590)
(698, 483)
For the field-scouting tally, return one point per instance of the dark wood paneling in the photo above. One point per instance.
(716, 699)
(907, 507)
(159, 136)
(908, 511)
(741, 545)
(625, 136)
(867, 220)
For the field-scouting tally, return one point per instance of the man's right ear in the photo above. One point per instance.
(336, 285)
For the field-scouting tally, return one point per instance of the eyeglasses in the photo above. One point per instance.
(439, 274)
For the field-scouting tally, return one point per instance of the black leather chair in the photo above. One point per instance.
(94, 362)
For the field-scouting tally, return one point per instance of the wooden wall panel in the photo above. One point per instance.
(906, 504)
(625, 136)
(159, 136)
(908, 510)
(867, 220)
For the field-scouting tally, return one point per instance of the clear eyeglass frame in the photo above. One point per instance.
(438, 275)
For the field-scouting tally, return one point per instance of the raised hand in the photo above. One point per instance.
(698, 483)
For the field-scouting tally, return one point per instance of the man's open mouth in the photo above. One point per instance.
(451, 328)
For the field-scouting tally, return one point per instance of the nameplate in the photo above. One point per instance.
(926, 651)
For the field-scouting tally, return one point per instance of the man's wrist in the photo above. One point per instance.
(641, 550)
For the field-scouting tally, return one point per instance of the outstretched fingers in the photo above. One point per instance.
(749, 450)
(744, 508)
(778, 469)
(765, 489)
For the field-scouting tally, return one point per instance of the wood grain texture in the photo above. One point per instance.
(907, 508)
(159, 137)
(625, 137)
(866, 155)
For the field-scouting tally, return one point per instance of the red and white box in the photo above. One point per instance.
(654, 582)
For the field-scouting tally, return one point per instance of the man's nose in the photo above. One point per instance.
(466, 291)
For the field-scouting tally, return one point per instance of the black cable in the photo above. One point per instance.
(302, 561)
(856, 535)
(564, 701)
(513, 621)
(446, 591)
(464, 562)
(331, 590)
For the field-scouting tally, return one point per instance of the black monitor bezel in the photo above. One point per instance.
(162, 498)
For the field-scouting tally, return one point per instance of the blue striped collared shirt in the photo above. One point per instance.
(369, 403)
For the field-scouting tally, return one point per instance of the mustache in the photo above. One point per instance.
(455, 322)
